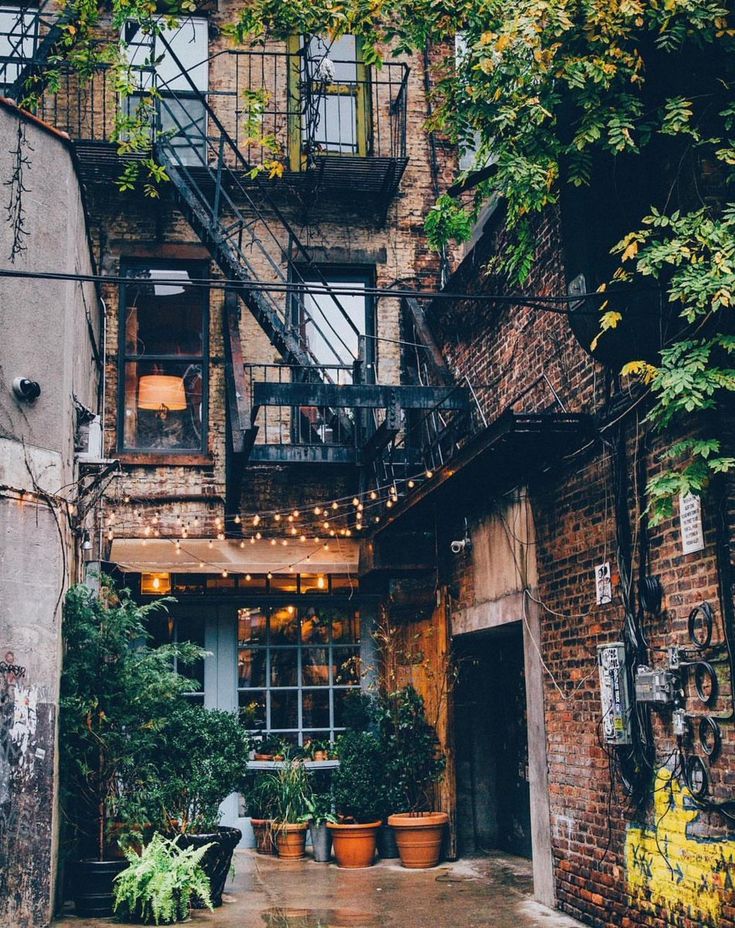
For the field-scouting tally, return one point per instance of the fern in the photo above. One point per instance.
(159, 883)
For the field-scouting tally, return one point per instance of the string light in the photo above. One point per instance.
(238, 520)
(248, 578)
(429, 474)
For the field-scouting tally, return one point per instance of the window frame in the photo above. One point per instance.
(296, 46)
(195, 269)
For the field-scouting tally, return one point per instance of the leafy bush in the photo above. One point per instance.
(200, 758)
(359, 779)
(159, 883)
(287, 792)
(116, 694)
(414, 760)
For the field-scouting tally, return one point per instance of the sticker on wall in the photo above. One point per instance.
(667, 867)
(603, 584)
(690, 522)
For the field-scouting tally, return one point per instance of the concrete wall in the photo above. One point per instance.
(44, 335)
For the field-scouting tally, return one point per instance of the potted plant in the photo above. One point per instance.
(116, 692)
(160, 882)
(260, 806)
(358, 791)
(318, 750)
(320, 814)
(289, 791)
(270, 747)
(414, 763)
(200, 758)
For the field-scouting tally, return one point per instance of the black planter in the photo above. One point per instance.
(216, 862)
(92, 886)
(386, 843)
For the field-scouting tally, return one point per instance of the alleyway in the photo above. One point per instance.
(268, 893)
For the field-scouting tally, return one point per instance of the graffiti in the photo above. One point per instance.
(668, 867)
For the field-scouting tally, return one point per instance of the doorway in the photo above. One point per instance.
(491, 743)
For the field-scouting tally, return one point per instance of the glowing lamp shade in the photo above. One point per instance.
(161, 391)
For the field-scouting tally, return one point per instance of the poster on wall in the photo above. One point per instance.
(690, 522)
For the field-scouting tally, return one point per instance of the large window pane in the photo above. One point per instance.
(315, 666)
(252, 706)
(316, 708)
(284, 667)
(314, 627)
(331, 338)
(163, 318)
(285, 626)
(251, 666)
(163, 406)
(284, 709)
(250, 626)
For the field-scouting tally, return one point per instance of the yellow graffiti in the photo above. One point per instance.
(671, 869)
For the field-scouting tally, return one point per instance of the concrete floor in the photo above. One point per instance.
(479, 893)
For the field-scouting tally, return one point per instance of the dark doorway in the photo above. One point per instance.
(491, 743)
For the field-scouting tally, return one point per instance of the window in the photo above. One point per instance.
(331, 89)
(180, 102)
(294, 668)
(18, 41)
(163, 360)
(323, 320)
(165, 629)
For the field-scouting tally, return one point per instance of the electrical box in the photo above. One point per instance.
(614, 693)
(658, 687)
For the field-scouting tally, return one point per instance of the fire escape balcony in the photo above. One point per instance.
(344, 137)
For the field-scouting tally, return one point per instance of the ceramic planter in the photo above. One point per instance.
(419, 837)
(216, 862)
(263, 830)
(354, 845)
(92, 887)
(290, 840)
(321, 842)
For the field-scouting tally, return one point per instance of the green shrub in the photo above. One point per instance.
(359, 781)
(159, 883)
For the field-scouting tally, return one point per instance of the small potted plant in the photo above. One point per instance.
(318, 750)
(160, 882)
(116, 692)
(320, 814)
(289, 792)
(201, 758)
(270, 747)
(414, 763)
(358, 791)
(260, 806)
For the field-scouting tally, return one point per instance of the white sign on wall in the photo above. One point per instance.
(690, 521)
(603, 584)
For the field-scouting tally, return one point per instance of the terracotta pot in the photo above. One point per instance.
(320, 755)
(354, 845)
(263, 757)
(290, 840)
(263, 830)
(419, 837)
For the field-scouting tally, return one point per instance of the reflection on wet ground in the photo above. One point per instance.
(488, 892)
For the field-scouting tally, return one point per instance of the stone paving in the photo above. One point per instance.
(478, 893)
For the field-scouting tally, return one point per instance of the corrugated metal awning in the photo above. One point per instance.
(199, 556)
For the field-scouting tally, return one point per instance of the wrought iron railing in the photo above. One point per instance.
(271, 121)
(301, 425)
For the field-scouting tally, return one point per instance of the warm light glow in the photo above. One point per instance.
(277, 517)
(248, 578)
(373, 494)
(355, 501)
(411, 484)
(237, 520)
(162, 392)
(296, 513)
(334, 505)
(317, 511)
(429, 474)
(155, 583)
(270, 575)
(258, 535)
(256, 520)
(321, 582)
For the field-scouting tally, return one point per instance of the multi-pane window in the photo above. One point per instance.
(164, 629)
(18, 41)
(295, 665)
(163, 360)
(174, 61)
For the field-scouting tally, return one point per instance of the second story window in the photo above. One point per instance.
(163, 360)
(176, 63)
(18, 41)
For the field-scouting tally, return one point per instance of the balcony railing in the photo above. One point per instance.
(273, 117)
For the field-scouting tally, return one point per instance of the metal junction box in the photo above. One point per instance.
(655, 686)
(614, 693)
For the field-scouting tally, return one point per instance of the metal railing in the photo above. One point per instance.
(301, 425)
(298, 124)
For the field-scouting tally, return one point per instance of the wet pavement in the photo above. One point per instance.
(478, 893)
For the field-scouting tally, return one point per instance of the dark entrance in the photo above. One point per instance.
(491, 743)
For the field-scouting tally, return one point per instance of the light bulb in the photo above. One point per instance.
(242, 544)
(277, 517)
(429, 474)
(270, 575)
(296, 513)
(256, 520)
(248, 578)
(317, 510)
(320, 582)
(334, 505)
(373, 494)
(411, 484)
(238, 520)
(355, 501)
(224, 573)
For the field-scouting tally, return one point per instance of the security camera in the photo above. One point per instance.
(26, 390)
(459, 546)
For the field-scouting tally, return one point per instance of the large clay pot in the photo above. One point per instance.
(354, 845)
(321, 842)
(419, 837)
(290, 840)
(216, 862)
(92, 887)
(263, 831)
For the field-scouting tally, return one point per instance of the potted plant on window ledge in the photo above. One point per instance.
(414, 763)
(358, 797)
(116, 692)
(201, 758)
